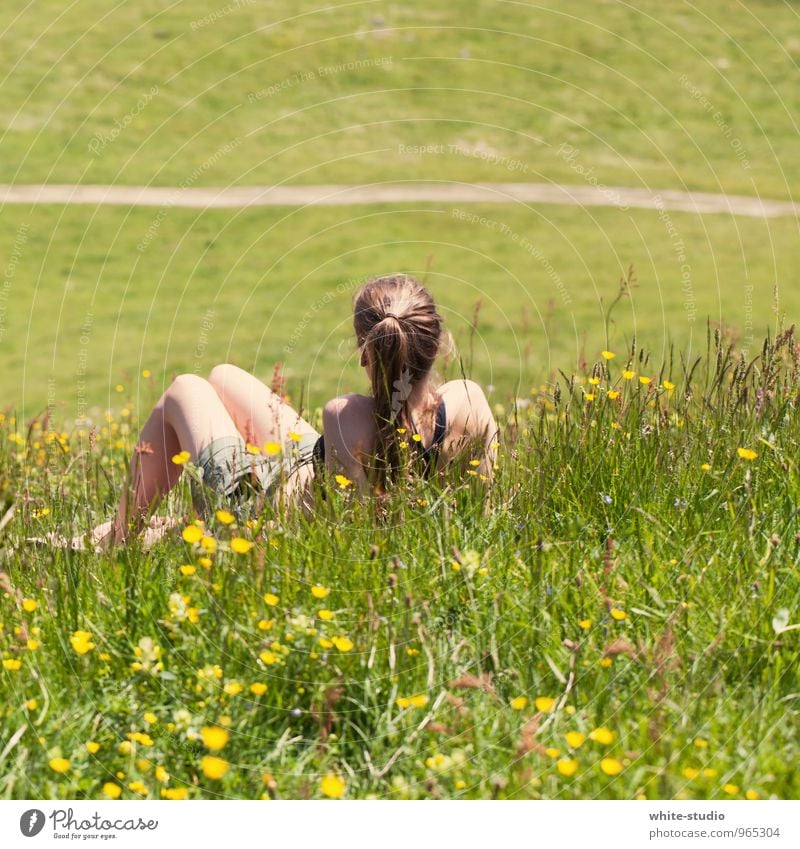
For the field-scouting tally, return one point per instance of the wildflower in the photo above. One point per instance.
(272, 448)
(31, 704)
(161, 774)
(265, 624)
(241, 546)
(519, 703)
(192, 534)
(567, 766)
(700, 743)
(205, 562)
(709, 772)
(343, 481)
(589, 396)
(209, 544)
(187, 569)
(619, 615)
(628, 374)
(606, 662)
(752, 795)
(575, 739)
(747, 453)
(271, 599)
(706, 467)
(595, 381)
(611, 766)
(112, 790)
(552, 752)
(416, 437)
(232, 688)
(59, 765)
(731, 789)
(319, 592)
(607, 355)
(295, 437)
(12, 664)
(668, 385)
(613, 394)
(332, 786)
(258, 689)
(325, 615)
(268, 658)
(344, 644)
(585, 624)
(174, 793)
(602, 735)
(544, 704)
(125, 747)
(181, 458)
(690, 773)
(252, 449)
(81, 642)
(92, 747)
(225, 517)
(644, 380)
(214, 738)
(29, 605)
(138, 787)
(213, 767)
(417, 701)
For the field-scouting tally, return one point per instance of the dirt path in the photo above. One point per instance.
(408, 192)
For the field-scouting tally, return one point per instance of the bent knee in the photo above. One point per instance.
(187, 383)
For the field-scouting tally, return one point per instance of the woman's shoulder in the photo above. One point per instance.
(461, 390)
(466, 405)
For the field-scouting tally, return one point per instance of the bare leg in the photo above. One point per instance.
(187, 417)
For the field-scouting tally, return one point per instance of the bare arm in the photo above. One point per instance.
(473, 423)
(349, 434)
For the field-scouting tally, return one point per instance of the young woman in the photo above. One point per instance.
(406, 421)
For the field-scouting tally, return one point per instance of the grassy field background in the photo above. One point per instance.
(623, 622)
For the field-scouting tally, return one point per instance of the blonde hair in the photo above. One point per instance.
(399, 331)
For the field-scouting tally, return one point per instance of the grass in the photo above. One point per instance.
(620, 624)
(655, 94)
(83, 310)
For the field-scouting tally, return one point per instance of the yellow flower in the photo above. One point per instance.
(332, 786)
(150, 718)
(81, 642)
(213, 767)
(417, 701)
(544, 704)
(628, 374)
(752, 795)
(161, 774)
(589, 396)
(92, 747)
(29, 605)
(585, 623)
(138, 787)
(271, 599)
(59, 764)
(209, 544)
(271, 449)
(325, 615)
(519, 703)
(233, 688)
(214, 738)
(252, 449)
(602, 735)
(709, 772)
(644, 380)
(241, 546)
(595, 381)
(611, 766)
(607, 355)
(268, 658)
(700, 743)
(618, 614)
(181, 458)
(12, 664)
(575, 739)
(187, 569)
(225, 517)
(567, 766)
(31, 704)
(125, 747)
(174, 793)
(205, 562)
(706, 467)
(552, 752)
(668, 385)
(32, 645)
(606, 662)
(344, 644)
(258, 689)
(325, 643)
(295, 437)
(343, 481)
(731, 789)
(690, 773)
(747, 453)
(192, 534)
(111, 790)
(319, 592)
(265, 624)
